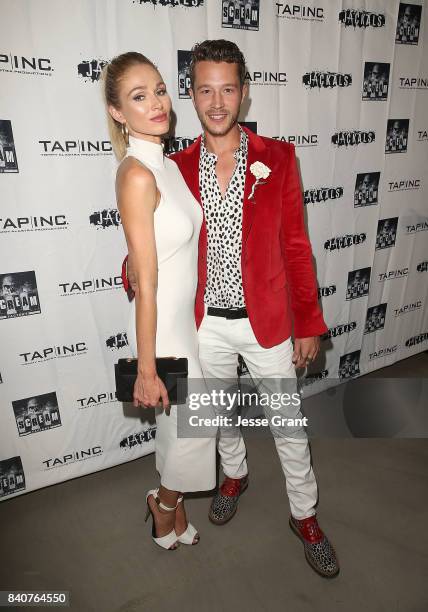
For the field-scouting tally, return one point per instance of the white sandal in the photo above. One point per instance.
(188, 536)
(167, 541)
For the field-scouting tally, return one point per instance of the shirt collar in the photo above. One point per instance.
(240, 151)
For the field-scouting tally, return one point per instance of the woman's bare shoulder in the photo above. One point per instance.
(133, 172)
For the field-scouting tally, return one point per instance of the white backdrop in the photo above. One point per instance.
(348, 86)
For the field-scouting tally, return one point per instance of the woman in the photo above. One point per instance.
(161, 220)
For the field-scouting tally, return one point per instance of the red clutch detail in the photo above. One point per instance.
(125, 274)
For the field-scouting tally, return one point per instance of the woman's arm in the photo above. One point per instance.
(137, 198)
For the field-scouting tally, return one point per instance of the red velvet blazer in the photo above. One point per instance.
(279, 282)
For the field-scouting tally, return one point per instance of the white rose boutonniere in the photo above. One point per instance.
(260, 171)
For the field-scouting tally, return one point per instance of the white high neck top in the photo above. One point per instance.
(148, 152)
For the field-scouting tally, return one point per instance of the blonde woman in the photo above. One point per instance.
(161, 220)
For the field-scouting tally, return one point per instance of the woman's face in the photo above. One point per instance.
(144, 103)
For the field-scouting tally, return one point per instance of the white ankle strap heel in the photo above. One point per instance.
(167, 541)
(188, 536)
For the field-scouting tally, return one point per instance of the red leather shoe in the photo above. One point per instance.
(225, 502)
(319, 552)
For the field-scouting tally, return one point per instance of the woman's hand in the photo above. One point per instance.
(148, 390)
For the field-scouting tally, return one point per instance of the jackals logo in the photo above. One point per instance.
(92, 285)
(251, 125)
(358, 283)
(414, 340)
(422, 266)
(326, 80)
(366, 189)
(352, 138)
(15, 225)
(386, 233)
(326, 291)
(175, 144)
(8, 161)
(322, 194)
(299, 12)
(342, 242)
(397, 135)
(408, 24)
(75, 148)
(72, 457)
(339, 330)
(361, 19)
(138, 439)
(183, 63)
(375, 81)
(102, 219)
(18, 295)
(117, 341)
(240, 14)
(12, 477)
(349, 365)
(375, 318)
(90, 70)
(242, 369)
(171, 3)
(300, 140)
(37, 413)
(40, 66)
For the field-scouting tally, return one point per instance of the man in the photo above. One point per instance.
(255, 279)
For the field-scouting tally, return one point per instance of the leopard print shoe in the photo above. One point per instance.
(225, 502)
(319, 552)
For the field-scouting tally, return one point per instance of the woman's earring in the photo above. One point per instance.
(125, 133)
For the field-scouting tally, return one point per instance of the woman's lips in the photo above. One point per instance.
(160, 118)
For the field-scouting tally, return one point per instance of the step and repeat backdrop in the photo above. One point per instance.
(346, 82)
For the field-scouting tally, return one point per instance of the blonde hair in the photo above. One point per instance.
(111, 76)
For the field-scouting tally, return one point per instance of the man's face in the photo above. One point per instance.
(217, 96)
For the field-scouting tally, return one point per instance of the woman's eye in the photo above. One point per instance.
(161, 92)
(139, 97)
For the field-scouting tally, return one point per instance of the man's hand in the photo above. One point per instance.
(305, 351)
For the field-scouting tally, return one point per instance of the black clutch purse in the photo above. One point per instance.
(169, 369)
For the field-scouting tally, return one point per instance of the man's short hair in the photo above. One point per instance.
(218, 51)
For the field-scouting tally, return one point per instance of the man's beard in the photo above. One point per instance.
(220, 130)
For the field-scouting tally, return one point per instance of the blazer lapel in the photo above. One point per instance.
(189, 168)
(257, 151)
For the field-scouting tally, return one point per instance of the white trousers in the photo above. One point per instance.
(220, 342)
